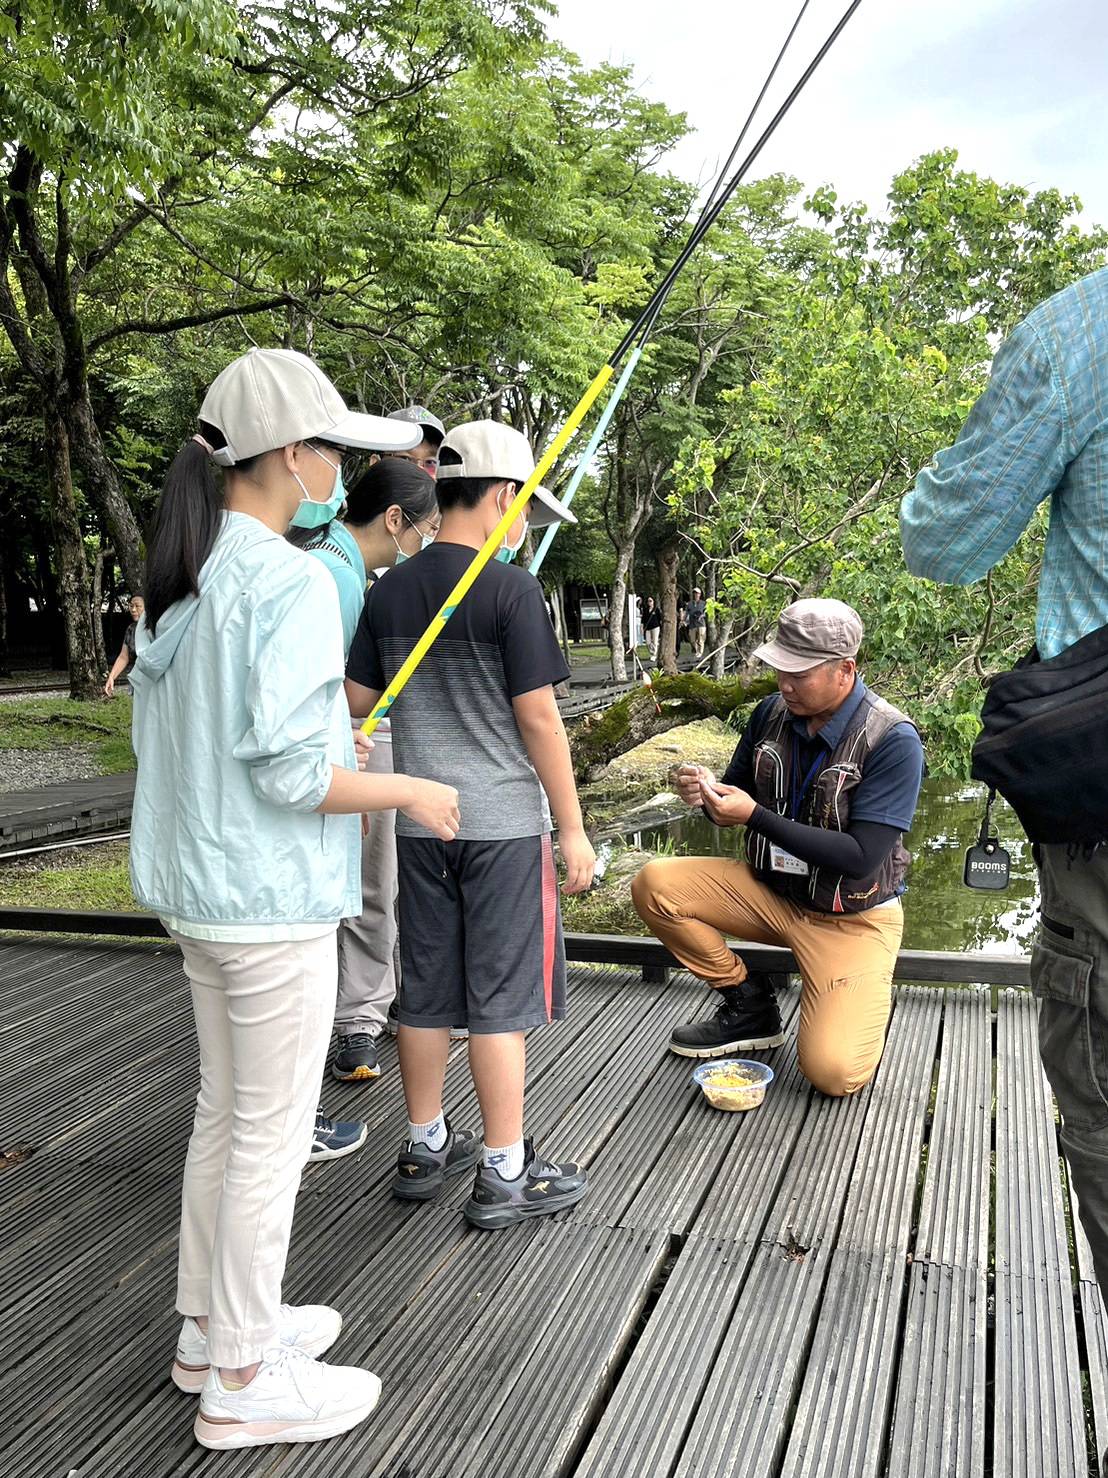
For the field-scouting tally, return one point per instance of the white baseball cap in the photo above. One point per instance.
(269, 398)
(493, 449)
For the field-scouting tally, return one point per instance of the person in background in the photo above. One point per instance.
(480, 928)
(425, 453)
(1039, 434)
(652, 626)
(126, 659)
(391, 514)
(696, 620)
(244, 842)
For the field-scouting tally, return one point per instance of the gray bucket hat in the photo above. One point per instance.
(810, 632)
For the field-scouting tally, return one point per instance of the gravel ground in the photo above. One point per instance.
(23, 769)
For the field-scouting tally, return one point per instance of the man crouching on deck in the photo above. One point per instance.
(825, 779)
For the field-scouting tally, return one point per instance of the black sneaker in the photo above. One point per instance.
(542, 1189)
(334, 1138)
(747, 1020)
(422, 1173)
(356, 1059)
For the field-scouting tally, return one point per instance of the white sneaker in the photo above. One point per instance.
(312, 1328)
(293, 1398)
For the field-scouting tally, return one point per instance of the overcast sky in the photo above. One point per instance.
(1017, 86)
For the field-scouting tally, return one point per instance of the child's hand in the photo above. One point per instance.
(579, 859)
(363, 744)
(434, 806)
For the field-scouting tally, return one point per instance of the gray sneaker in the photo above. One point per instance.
(542, 1189)
(422, 1173)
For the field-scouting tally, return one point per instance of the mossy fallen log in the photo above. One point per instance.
(599, 738)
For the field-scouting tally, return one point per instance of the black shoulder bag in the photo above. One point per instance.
(1044, 742)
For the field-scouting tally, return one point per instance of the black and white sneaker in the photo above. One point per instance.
(422, 1173)
(356, 1058)
(334, 1138)
(747, 1020)
(542, 1189)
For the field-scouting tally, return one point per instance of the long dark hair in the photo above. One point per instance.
(184, 526)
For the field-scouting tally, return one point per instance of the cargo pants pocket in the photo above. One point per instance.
(1072, 988)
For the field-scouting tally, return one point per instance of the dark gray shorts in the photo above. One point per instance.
(480, 934)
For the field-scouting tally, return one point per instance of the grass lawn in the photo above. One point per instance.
(79, 877)
(581, 653)
(54, 723)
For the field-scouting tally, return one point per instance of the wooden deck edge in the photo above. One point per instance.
(936, 967)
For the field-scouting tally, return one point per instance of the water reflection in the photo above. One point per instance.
(940, 912)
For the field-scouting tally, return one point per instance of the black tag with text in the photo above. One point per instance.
(987, 867)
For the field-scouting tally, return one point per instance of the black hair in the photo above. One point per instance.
(393, 480)
(184, 526)
(462, 492)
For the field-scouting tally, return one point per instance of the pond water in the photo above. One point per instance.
(940, 912)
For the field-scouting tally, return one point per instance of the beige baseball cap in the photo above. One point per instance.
(492, 449)
(269, 398)
(810, 632)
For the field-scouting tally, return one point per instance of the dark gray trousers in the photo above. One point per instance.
(1069, 974)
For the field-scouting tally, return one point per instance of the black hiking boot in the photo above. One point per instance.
(747, 1020)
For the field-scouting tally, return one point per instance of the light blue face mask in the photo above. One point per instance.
(312, 514)
(424, 540)
(507, 552)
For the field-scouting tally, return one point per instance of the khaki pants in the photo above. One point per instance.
(696, 639)
(368, 956)
(846, 960)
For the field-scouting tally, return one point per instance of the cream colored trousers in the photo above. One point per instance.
(263, 1019)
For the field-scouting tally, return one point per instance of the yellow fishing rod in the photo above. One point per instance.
(638, 331)
(487, 551)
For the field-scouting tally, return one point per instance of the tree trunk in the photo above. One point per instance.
(102, 487)
(5, 656)
(667, 560)
(624, 559)
(98, 612)
(711, 586)
(73, 585)
(597, 740)
(724, 629)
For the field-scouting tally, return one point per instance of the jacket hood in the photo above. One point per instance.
(154, 655)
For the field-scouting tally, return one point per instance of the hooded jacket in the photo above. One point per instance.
(239, 717)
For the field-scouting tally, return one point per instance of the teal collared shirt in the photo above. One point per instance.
(335, 547)
(1039, 431)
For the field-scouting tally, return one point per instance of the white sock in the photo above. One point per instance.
(507, 1162)
(433, 1135)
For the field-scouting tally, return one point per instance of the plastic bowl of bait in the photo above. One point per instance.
(734, 1083)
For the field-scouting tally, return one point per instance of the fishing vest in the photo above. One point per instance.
(826, 804)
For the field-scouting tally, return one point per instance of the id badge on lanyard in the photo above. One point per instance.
(782, 861)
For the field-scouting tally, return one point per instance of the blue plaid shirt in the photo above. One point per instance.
(1039, 430)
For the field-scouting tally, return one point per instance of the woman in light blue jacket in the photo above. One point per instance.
(245, 841)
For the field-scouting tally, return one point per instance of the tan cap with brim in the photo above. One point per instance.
(810, 632)
(270, 398)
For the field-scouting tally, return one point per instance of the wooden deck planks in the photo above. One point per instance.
(670, 1325)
